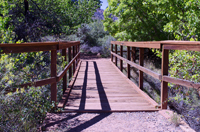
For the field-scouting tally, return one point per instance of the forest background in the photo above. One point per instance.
(124, 20)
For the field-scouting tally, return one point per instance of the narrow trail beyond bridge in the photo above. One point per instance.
(99, 86)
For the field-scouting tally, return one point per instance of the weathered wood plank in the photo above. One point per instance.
(147, 71)
(182, 47)
(94, 89)
(53, 74)
(147, 44)
(141, 63)
(164, 85)
(181, 82)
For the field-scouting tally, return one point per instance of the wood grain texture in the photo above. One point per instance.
(181, 82)
(147, 44)
(141, 63)
(164, 85)
(182, 47)
(121, 61)
(53, 74)
(147, 71)
(100, 87)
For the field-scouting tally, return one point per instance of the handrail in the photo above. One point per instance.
(53, 47)
(165, 46)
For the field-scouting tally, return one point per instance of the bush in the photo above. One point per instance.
(24, 109)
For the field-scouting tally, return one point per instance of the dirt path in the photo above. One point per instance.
(109, 122)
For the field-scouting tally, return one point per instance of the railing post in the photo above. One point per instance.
(141, 63)
(111, 47)
(133, 54)
(74, 61)
(121, 61)
(164, 85)
(76, 54)
(65, 76)
(116, 53)
(53, 74)
(128, 66)
(69, 59)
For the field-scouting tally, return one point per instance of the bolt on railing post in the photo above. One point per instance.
(128, 58)
(115, 56)
(65, 76)
(69, 59)
(111, 49)
(141, 63)
(121, 61)
(164, 85)
(53, 74)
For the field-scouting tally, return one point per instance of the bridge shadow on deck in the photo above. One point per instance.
(102, 94)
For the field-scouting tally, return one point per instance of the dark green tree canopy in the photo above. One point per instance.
(30, 19)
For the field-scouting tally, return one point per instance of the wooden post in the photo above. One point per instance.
(69, 59)
(111, 47)
(74, 67)
(121, 61)
(164, 85)
(128, 66)
(115, 56)
(65, 76)
(141, 62)
(53, 74)
(133, 54)
(76, 50)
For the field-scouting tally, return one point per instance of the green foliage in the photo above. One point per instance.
(42, 18)
(24, 110)
(93, 35)
(141, 20)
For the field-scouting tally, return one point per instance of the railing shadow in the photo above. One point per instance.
(83, 97)
(102, 94)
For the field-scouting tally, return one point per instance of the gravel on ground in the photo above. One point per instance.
(109, 122)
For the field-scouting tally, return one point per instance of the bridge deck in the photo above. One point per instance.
(100, 86)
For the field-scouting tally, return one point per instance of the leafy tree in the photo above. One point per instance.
(29, 19)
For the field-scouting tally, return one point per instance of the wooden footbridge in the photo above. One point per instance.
(98, 85)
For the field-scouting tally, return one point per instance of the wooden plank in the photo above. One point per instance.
(121, 61)
(65, 97)
(139, 90)
(181, 82)
(40, 82)
(147, 71)
(67, 44)
(116, 53)
(177, 42)
(147, 109)
(147, 44)
(182, 47)
(53, 74)
(69, 60)
(133, 54)
(128, 65)
(111, 51)
(18, 49)
(141, 63)
(164, 85)
(64, 54)
(74, 53)
(35, 84)
(104, 92)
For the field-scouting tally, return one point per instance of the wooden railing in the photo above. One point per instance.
(73, 49)
(165, 46)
